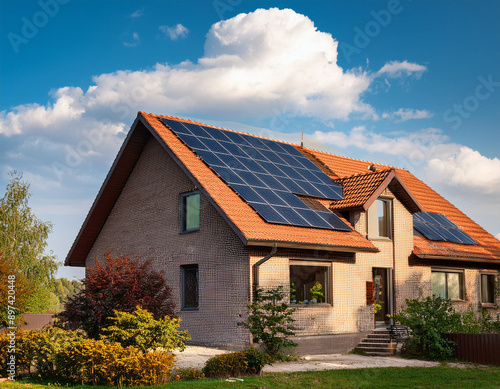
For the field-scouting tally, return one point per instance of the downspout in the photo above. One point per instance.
(393, 281)
(263, 260)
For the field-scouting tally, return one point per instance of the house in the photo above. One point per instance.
(220, 212)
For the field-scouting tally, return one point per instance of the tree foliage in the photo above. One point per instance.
(140, 330)
(119, 284)
(21, 287)
(270, 321)
(428, 320)
(23, 239)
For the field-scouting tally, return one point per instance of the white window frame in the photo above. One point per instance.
(373, 220)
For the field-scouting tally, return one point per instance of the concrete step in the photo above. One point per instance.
(375, 340)
(375, 344)
(374, 349)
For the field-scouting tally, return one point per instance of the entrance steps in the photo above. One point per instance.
(378, 343)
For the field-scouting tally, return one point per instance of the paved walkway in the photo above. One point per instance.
(195, 357)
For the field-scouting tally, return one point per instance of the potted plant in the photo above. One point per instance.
(317, 292)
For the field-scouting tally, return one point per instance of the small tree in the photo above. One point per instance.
(23, 240)
(270, 321)
(119, 284)
(140, 330)
(429, 319)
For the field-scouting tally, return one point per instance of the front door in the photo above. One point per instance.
(382, 280)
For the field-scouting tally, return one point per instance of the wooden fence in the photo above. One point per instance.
(477, 348)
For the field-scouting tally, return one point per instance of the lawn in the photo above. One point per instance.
(390, 377)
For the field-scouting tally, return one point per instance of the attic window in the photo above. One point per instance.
(380, 219)
(190, 211)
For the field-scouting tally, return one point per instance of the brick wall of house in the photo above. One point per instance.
(146, 222)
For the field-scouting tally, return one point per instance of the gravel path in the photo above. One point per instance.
(195, 357)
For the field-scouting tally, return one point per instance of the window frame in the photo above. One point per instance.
(183, 201)
(494, 286)
(372, 219)
(327, 287)
(183, 287)
(461, 279)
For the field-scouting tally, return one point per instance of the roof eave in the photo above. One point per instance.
(457, 258)
(311, 246)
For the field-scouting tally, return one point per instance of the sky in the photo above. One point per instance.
(412, 84)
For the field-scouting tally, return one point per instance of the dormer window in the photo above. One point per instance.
(380, 219)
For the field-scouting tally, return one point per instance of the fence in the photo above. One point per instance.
(477, 348)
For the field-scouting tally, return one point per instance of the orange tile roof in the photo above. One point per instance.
(359, 188)
(242, 216)
(488, 246)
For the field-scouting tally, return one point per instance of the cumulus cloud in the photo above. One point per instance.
(134, 42)
(176, 32)
(396, 69)
(467, 167)
(498, 236)
(254, 64)
(428, 151)
(404, 114)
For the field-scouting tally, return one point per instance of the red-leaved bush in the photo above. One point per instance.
(119, 284)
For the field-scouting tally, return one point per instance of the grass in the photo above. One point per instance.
(389, 377)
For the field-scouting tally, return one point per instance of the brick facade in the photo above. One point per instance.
(145, 222)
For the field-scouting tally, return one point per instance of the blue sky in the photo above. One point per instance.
(411, 84)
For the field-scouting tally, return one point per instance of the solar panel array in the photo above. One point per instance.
(435, 226)
(265, 173)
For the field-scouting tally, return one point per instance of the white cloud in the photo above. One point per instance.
(254, 64)
(428, 151)
(176, 32)
(467, 167)
(396, 69)
(498, 236)
(134, 42)
(137, 14)
(404, 114)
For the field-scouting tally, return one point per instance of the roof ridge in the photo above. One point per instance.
(370, 173)
(219, 128)
(353, 159)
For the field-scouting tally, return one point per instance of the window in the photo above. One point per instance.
(309, 282)
(189, 292)
(488, 288)
(190, 213)
(379, 219)
(448, 284)
(383, 217)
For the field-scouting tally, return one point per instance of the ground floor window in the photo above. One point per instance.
(448, 284)
(488, 288)
(189, 286)
(309, 282)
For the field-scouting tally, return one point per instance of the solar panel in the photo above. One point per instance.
(265, 173)
(435, 226)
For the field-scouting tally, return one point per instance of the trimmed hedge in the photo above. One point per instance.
(247, 362)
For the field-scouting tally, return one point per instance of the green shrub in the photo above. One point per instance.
(190, 374)
(270, 321)
(36, 349)
(97, 362)
(247, 362)
(139, 329)
(428, 320)
(226, 365)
